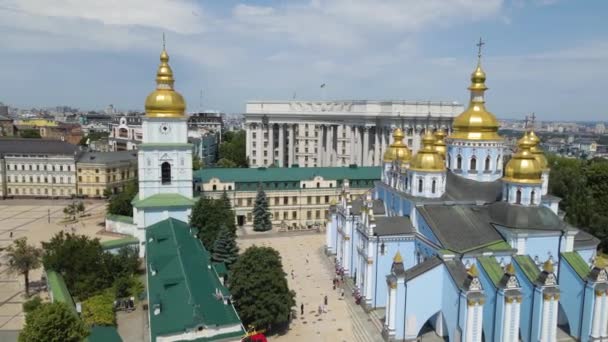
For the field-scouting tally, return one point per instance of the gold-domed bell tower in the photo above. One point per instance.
(540, 157)
(396, 158)
(475, 150)
(426, 174)
(522, 183)
(165, 156)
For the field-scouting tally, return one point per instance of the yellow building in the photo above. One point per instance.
(101, 173)
(298, 198)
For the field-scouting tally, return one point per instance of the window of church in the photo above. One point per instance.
(487, 165)
(532, 195)
(458, 162)
(165, 171)
(473, 164)
(518, 196)
(433, 186)
(420, 185)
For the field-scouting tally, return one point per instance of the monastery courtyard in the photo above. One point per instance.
(30, 218)
(313, 275)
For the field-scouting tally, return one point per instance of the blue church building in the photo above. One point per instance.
(455, 240)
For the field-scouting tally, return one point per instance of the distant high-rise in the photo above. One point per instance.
(336, 133)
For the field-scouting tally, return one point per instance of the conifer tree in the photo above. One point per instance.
(261, 215)
(225, 249)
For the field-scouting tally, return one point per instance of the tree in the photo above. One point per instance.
(197, 163)
(261, 215)
(30, 133)
(225, 163)
(32, 304)
(99, 310)
(259, 288)
(22, 258)
(227, 214)
(224, 248)
(209, 215)
(120, 204)
(233, 148)
(80, 208)
(53, 322)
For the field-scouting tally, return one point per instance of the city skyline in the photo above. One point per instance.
(88, 56)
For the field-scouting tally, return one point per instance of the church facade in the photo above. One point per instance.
(454, 240)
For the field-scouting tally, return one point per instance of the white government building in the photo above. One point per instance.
(337, 133)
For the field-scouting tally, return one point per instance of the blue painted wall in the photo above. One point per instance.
(421, 308)
(571, 297)
(383, 267)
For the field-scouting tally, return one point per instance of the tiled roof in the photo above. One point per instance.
(107, 157)
(393, 225)
(162, 201)
(41, 146)
(284, 174)
(182, 280)
(577, 263)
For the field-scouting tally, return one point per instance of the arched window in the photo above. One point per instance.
(214, 187)
(487, 165)
(433, 185)
(420, 185)
(165, 171)
(518, 196)
(473, 166)
(459, 162)
(532, 195)
(318, 185)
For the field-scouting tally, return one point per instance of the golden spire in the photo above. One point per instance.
(510, 269)
(398, 259)
(440, 145)
(476, 122)
(165, 101)
(427, 158)
(548, 266)
(523, 167)
(398, 150)
(473, 271)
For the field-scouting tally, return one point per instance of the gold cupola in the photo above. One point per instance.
(440, 145)
(398, 150)
(538, 153)
(523, 167)
(165, 102)
(427, 158)
(476, 122)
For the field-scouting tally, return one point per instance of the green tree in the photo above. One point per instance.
(225, 248)
(209, 215)
(227, 214)
(53, 322)
(22, 258)
(233, 148)
(120, 204)
(32, 304)
(261, 215)
(259, 288)
(80, 208)
(99, 310)
(197, 163)
(30, 133)
(225, 163)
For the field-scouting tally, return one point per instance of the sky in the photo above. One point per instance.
(549, 57)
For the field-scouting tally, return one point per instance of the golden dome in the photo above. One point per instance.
(476, 122)
(537, 152)
(398, 258)
(523, 167)
(427, 159)
(165, 101)
(397, 151)
(440, 145)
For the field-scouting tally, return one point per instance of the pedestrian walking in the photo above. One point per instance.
(320, 309)
(302, 309)
(342, 293)
(325, 300)
(11, 235)
(292, 276)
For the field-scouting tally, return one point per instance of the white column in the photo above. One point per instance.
(376, 146)
(508, 320)
(365, 146)
(368, 280)
(291, 147)
(597, 314)
(301, 139)
(249, 142)
(259, 134)
(281, 145)
(320, 146)
(339, 142)
(325, 145)
(271, 144)
(604, 319)
(392, 305)
(545, 322)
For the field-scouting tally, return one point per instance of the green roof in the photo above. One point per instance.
(288, 174)
(120, 218)
(220, 268)
(162, 201)
(184, 282)
(499, 246)
(528, 266)
(492, 268)
(577, 263)
(104, 334)
(119, 243)
(59, 290)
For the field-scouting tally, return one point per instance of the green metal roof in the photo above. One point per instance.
(162, 201)
(119, 243)
(492, 268)
(577, 263)
(120, 218)
(528, 266)
(287, 174)
(184, 284)
(59, 290)
(104, 334)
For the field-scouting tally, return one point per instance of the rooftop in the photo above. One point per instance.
(162, 201)
(286, 174)
(183, 283)
(108, 157)
(39, 146)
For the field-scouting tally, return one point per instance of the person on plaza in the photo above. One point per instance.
(342, 293)
(325, 300)
(292, 276)
(320, 309)
(302, 309)
(11, 235)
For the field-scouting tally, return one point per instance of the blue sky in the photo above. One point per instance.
(544, 56)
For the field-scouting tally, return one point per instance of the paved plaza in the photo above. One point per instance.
(313, 275)
(38, 220)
